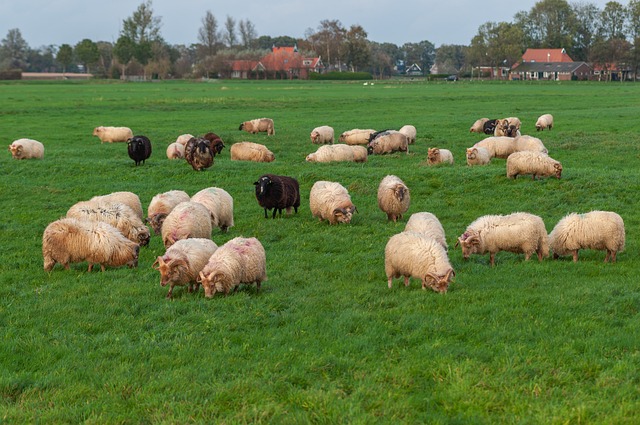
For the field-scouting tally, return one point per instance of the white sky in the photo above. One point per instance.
(45, 22)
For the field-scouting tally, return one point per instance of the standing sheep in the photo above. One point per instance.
(241, 260)
(130, 199)
(175, 151)
(113, 134)
(321, 135)
(220, 205)
(26, 149)
(411, 254)
(537, 164)
(161, 205)
(259, 125)
(215, 143)
(388, 142)
(331, 201)
(427, 224)
(478, 156)
(393, 197)
(600, 230)
(356, 136)
(69, 240)
(410, 132)
(478, 126)
(186, 220)
(139, 149)
(277, 193)
(182, 263)
(544, 121)
(199, 153)
(360, 153)
(517, 232)
(249, 151)
(439, 156)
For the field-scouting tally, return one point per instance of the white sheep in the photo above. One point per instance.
(529, 143)
(258, 125)
(544, 121)
(410, 132)
(439, 156)
(321, 135)
(478, 126)
(360, 153)
(116, 214)
(249, 151)
(183, 139)
(332, 153)
(600, 230)
(182, 263)
(411, 254)
(427, 224)
(388, 142)
(186, 220)
(161, 205)
(130, 199)
(241, 260)
(394, 197)
(175, 151)
(220, 205)
(518, 232)
(331, 201)
(478, 156)
(537, 164)
(69, 240)
(498, 147)
(113, 134)
(356, 136)
(26, 149)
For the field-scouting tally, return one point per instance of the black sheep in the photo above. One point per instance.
(139, 148)
(490, 127)
(198, 153)
(277, 193)
(215, 142)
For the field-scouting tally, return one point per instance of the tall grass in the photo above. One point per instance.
(325, 340)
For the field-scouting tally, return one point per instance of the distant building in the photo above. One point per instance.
(549, 64)
(546, 55)
(414, 70)
(283, 63)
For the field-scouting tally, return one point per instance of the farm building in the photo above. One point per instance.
(282, 63)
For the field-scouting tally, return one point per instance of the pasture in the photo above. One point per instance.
(325, 340)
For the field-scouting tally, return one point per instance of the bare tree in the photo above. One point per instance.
(208, 35)
(230, 37)
(247, 33)
(13, 51)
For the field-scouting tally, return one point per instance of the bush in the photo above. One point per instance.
(344, 76)
(11, 74)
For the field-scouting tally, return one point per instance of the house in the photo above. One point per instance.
(281, 63)
(549, 64)
(414, 70)
(546, 55)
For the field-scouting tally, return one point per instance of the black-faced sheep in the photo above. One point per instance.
(249, 151)
(139, 149)
(198, 153)
(393, 197)
(186, 220)
(321, 135)
(161, 205)
(489, 127)
(427, 224)
(69, 240)
(439, 156)
(258, 125)
(26, 149)
(517, 232)
(537, 164)
(478, 156)
(544, 121)
(331, 201)
(356, 136)
(241, 260)
(113, 134)
(277, 193)
(411, 254)
(600, 230)
(215, 142)
(220, 205)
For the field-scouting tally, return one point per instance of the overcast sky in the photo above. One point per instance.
(45, 22)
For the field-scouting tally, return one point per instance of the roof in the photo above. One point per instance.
(562, 67)
(546, 55)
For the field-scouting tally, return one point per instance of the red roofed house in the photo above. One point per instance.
(549, 64)
(281, 63)
(546, 55)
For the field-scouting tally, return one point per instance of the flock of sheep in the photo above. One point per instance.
(108, 230)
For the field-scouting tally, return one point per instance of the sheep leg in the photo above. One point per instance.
(275, 210)
(492, 258)
(613, 256)
(389, 281)
(170, 293)
(539, 252)
(90, 268)
(258, 286)
(406, 280)
(575, 256)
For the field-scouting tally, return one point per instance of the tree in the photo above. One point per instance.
(450, 58)
(248, 33)
(633, 29)
(142, 25)
(123, 51)
(65, 56)
(87, 53)
(230, 37)
(613, 21)
(13, 51)
(587, 17)
(422, 53)
(549, 24)
(496, 45)
(358, 51)
(208, 35)
(328, 41)
(383, 58)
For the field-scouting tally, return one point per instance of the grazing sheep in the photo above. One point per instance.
(69, 240)
(182, 263)
(26, 149)
(360, 153)
(277, 193)
(528, 143)
(175, 151)
(332, 153)
(139, 149)
(439, 156)
(241, 260)
(198, 153)
(183, 139)
(411, 254)
(117, 215)
(478, 156)
(489, 127)
(478, 126)
(161, 205)
(356, 136)
(388, 142)
(331, 201)
(518, 232)
(600, 230)
(258, 125)
(113, 134)
(130, 199)
(321, 135)
(248, 151)
(498, 147)
(215, 142)
(186, 220)
(544, 121)
(537, 164)
(220, 205)
(427, 224)
(410, 132)
(393, 197)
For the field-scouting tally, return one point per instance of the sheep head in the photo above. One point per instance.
(212, 282)
(558, 169)
(439, 283)
(262, 186)
(472, 153)
(171, 270)
(399, 191)
(156, 222)
(433, 154)
(342, 215)
(469, 242)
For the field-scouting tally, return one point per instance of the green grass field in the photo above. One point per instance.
(325, 340)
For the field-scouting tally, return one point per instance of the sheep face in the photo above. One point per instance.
(399, 192)
(212, 282)
(558, 169)
(262, 186)
(16, 150)
(511, 131)
(470, 244)
(438, 283)
(156, 222)
(170, 270)
(343, 215)
(472, 153)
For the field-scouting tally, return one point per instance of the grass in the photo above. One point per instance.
(325, 341)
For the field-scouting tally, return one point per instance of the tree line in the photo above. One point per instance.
(607, 37)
